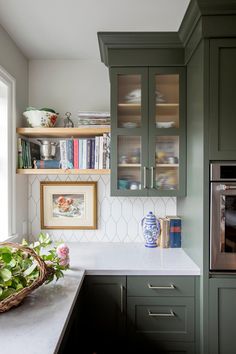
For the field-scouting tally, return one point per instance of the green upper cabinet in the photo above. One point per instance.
(148, 131)
(222, 99)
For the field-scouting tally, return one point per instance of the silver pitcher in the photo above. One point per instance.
(47, 149)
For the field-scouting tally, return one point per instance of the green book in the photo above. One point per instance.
(20, 157)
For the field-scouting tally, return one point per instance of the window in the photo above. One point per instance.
(7, 155)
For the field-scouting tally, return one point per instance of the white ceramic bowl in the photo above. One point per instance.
(165, 124)
(36, 118)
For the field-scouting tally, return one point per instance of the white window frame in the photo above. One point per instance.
(11, 129)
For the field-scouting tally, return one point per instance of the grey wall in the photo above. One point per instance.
(15, 63)
(69, 85)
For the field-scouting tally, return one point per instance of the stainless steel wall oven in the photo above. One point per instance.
(223, 216)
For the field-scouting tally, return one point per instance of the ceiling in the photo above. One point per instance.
(67, 29)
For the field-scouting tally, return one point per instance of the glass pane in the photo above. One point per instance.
(167, 162)
(129, 162)
(229, 244)
(129, 101)
(167, 101)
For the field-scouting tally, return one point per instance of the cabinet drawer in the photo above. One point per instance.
(162, 318)
(160, 286)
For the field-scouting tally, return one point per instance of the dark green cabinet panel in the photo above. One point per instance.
(106, 298)
(148, 131)
(222, 309)
(222, 99)
(169, 318)
(160, 286)
(103, 318)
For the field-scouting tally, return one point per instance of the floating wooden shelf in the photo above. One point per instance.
(60, 132)
(39, 171)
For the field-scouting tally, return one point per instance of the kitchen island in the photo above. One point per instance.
(39, 323)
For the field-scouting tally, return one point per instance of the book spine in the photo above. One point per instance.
(70, 153)
(88, 161)
(76, 153)
(52, 164)
(23, 153)
(80, 153)
(20, 158)
(92, 155)
(175, 233)
(63, 154)
(100, 164)
(84, 157)
(108, 158)
(29, 160)
(104, 151)
(96, 152)
(164, 235)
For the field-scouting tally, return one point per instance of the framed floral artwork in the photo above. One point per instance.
(68, 205)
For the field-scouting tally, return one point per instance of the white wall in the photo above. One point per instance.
(69, 85)
(15, 63)
(73, 85)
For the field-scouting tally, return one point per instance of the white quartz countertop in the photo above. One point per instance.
(132, 259)
(38, 324)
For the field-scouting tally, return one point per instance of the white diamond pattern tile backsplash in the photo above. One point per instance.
(118, 217)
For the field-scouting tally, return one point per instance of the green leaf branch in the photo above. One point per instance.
(18, 269)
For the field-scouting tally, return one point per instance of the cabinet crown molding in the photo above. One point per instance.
(203, 19)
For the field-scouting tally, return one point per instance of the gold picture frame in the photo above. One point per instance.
(68, 205)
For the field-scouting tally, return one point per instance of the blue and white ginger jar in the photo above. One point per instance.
(151, 229)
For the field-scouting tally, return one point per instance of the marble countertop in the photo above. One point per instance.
(132, 259)
(37, 326)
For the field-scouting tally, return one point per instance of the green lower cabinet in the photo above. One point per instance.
(103, 320)
(137, 314)
(222, 316)
(161, 314)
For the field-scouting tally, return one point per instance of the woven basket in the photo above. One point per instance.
(44, 272)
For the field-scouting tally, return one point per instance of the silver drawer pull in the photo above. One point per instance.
(171, 287)
(153, 314)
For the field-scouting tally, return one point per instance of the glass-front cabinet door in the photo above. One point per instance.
(148, 131)
(129, 111)
(167, 131)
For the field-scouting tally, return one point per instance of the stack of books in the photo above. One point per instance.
(86, 153)
(81, 153)
(170, 235)
(94, 119)
(27, 153)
